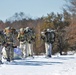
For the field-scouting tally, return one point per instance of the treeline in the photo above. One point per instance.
(63, 24)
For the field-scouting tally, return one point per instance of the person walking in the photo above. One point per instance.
(22, 40)
(9, 44)
(49, 37)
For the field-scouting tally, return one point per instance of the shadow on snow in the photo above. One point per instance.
(35, 63)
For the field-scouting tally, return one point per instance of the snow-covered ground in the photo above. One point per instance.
(39, 65)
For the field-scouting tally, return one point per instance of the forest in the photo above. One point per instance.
(64, 25)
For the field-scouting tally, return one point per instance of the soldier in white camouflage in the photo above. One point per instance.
(30, 40)
(49, 37)
(22, 39)
(9, 44)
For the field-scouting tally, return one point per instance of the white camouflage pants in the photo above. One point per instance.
(48, 48)
(29, 49)
(23, 48)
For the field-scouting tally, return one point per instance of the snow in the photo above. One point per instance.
(40, 65)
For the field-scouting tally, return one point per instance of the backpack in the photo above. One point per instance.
(30, 35)
(50, 37)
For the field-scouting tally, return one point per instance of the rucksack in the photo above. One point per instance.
(50, 37)
(30, 35)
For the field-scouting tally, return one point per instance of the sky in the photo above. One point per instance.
(32, 8)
